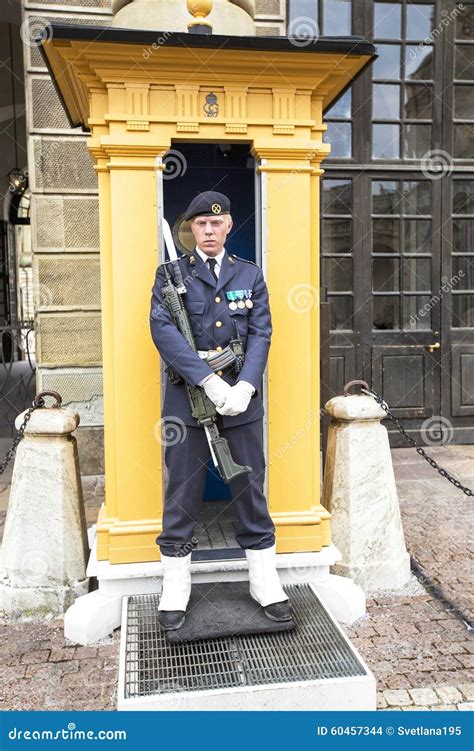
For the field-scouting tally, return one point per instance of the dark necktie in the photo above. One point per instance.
(212, 266)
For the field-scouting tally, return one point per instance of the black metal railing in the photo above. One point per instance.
(17, 373)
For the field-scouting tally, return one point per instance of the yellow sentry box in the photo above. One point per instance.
(273, 93)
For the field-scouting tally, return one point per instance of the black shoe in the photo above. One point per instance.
(277, 611)
(170, 620)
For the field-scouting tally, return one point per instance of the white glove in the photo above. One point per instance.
(216, 389)
(237, 400)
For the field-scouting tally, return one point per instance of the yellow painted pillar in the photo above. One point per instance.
(292, 270)
(130, 520)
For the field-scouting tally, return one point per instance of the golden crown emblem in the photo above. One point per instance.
(216, 208)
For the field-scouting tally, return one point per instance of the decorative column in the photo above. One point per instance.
(290, 169)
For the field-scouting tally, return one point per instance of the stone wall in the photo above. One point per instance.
(65, 234)
(270, 17)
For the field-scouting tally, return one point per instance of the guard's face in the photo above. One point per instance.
(210, 232)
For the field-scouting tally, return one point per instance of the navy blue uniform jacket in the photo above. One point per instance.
(206, 303)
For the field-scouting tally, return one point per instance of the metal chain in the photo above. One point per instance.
(37, 403)
(380, 400)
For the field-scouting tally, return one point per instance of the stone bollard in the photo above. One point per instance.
(44, 551)
(361, 495)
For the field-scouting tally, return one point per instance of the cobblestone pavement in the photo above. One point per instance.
(438, 519)
(421, 655)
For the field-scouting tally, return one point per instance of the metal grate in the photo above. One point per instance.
(316, 649)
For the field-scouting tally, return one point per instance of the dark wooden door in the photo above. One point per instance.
(402, 316)
(397, 233)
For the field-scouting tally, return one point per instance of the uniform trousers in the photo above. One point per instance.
(187, 469)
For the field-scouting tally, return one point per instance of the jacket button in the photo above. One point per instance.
(218, 324)
(218, 299)
(219, 349)
(220, 372)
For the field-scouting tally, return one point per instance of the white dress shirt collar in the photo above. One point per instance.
(218, 257)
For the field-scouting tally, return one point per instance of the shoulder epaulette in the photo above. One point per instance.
(244, 259)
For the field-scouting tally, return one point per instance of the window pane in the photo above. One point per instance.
(386, 312)
(465, 21)
(338, 274)
(416, 140)
(417, 197)
(463, 197)
(416, 312)
(419, 62)
(418, 99)
(337, 18)
(463, 311)
(463, 235)
(386, 198)
(387, 21)
(463, 268)
(339, 135)
(464, 142)
(337, 196)
(417, 274)
(341, 312)
(419, 21)
(336, 236)
(417, 236)
(387, 64)
(386, 101)
(386, 139)
(464, 102)
(342, 108)
(386, 235)
(464, 62)
(385, 274)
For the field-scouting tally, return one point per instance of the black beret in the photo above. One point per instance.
(208, 203)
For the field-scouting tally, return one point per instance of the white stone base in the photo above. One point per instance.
(92, 617)
(97, 614)
(387, 574)
(355, 694)
(39, 601)
(345, 600)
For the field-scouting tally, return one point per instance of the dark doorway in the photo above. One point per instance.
(230, 169)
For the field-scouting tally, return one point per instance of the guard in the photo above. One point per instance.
(221, 289)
